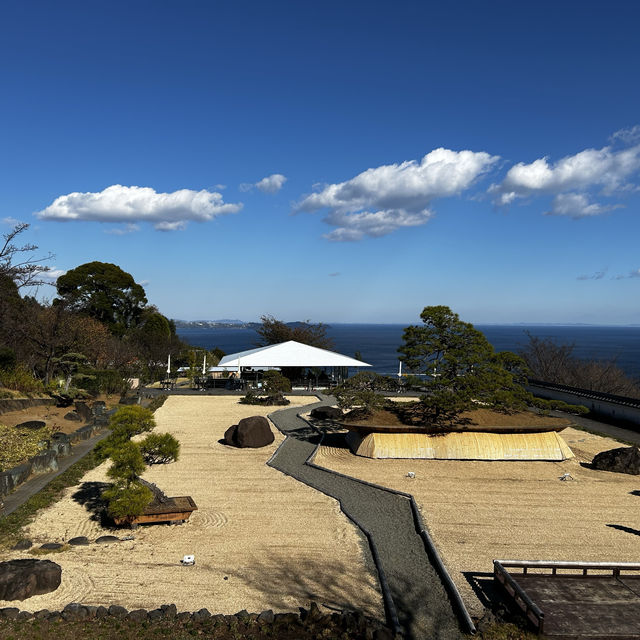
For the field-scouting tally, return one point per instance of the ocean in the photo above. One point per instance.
(378, 343)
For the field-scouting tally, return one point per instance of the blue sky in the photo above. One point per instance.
(334, 161)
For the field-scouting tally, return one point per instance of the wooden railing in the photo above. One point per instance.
(580, 569)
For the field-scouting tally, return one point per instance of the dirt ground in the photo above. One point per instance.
(478, 417)
(480, 511)
(261, 540)
(52, 415)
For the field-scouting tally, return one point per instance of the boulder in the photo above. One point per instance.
(98, 408)
(116, 611)
(51, 546)
(31, 424)
(621, 460)
(79, 541)
(107, 539)
(83, 410)
(137, 615)
(253, 432)
(22, 545)
(327, 413)
(72, 415)
(21, 579)
(230, 435)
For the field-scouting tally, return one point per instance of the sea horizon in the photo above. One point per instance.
(378, 342)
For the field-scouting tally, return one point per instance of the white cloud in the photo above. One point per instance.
(628, 136)
(577, 205)
(166, 211)
(121, 231)
(598, 275)
(52, 274)
(352, 227)
(632, 274)
(575, 180)
(270, 184)
(380, 200)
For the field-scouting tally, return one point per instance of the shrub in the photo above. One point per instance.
(361, 402)
(157, 402)
(359, 393)
(107, 381)
(20, 379)
(274, 382)
(274, 399)
(159, 448)
(127, 500)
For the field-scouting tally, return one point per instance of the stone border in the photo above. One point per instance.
(18, 404)
(47, 460)
(75, 612)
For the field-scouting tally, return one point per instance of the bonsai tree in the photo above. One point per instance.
(125, 423)
(127, 497)
(462, 368)
(159, 448)
(461, 365)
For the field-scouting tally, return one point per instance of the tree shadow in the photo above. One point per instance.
(635, 493)
(89, 495)
(335, 440)
(621, 527)
(335, 585)
(339, 586)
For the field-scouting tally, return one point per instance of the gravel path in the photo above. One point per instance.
(422, 605)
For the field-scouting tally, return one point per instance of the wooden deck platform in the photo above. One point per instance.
(572, 600)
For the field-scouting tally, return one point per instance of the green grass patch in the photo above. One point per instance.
(11, 525)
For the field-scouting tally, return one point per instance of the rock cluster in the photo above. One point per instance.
(21, 579)
(312, 620)
(253, 432)
(621, 460)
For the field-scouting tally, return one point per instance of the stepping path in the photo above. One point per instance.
(418, 596)
(38, 482)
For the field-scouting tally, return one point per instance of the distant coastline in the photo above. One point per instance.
(378, 343)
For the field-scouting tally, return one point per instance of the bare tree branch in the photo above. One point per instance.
(24, 270)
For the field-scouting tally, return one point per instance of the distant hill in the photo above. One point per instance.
(223, 323)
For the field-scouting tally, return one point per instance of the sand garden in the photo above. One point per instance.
(480, 511)
(261, 540)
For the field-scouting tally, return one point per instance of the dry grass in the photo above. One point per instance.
(261, 539)
(481, 511)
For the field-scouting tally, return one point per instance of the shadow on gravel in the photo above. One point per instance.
(335, 440)
(285, 583)
(90, 496)
(484, 587)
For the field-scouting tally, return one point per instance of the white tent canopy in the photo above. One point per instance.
(289, 354)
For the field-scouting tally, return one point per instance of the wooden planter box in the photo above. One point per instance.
(176, 509)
